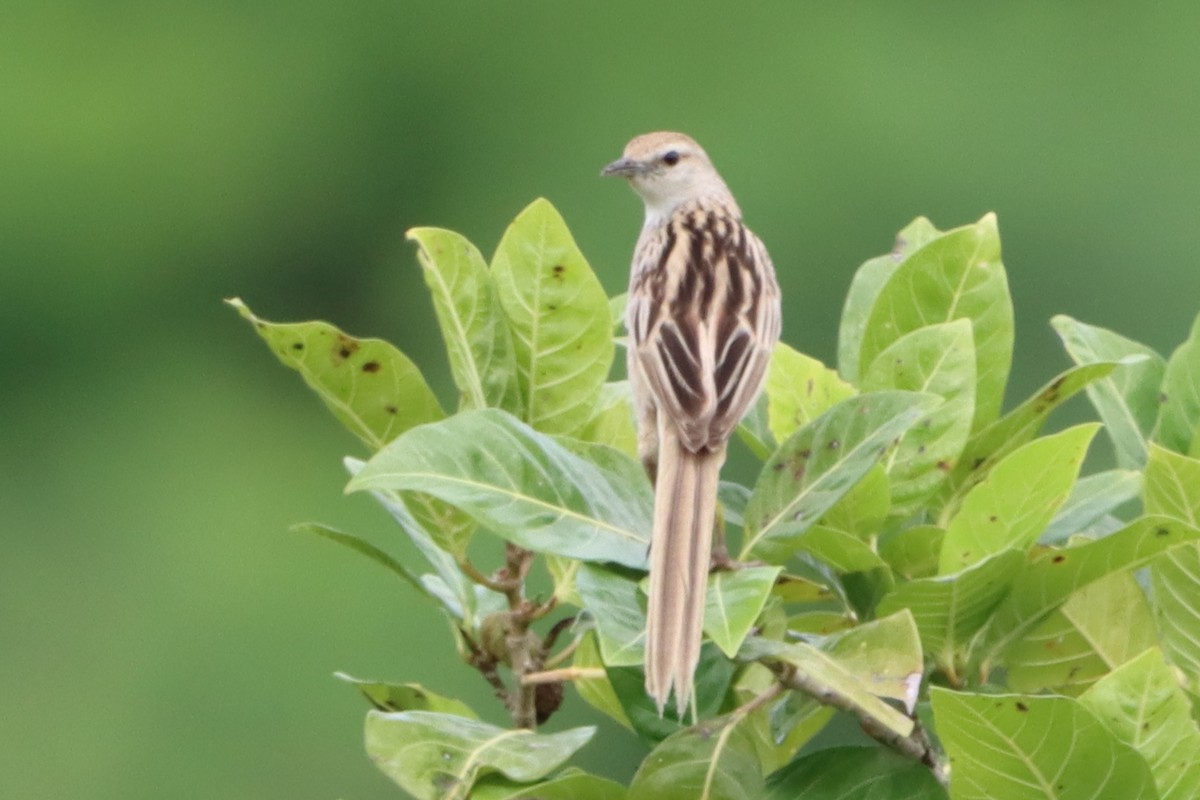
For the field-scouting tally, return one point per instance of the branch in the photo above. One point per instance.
(915, 746)
(564, 674)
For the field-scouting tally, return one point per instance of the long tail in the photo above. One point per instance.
(685, 502)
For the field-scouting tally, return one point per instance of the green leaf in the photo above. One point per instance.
(868, 281)
(435, 756)
(612, 601)
(836, 679)
(559, 316)
(1093, 498)
(734, 600)
(1098, 628)
(616, 309)
(570, 785)
(1175, 583)
(782, 727)
(373, 390)
(714, 760)
(1127, 400)
(1046, 582)
(1172, 485)
(885, 654)
(939, 360)
(522, 485)
(949, 610)
(754, 429)
(1180, 416)
(451, 587)
(360, 545)
(406, 697)
(801, 589)
(611, 422)
(1142, 705)
(1022, 424)
(473, 326)
(714, 674)
(820, 463)
(854, 773)
(862, 510)
(370, 386)
(840, 550)
(733, 498)
(1012, 506)
(799, 389)
(956, 275)
(914, 552)
(597, 692)
(1015, 747)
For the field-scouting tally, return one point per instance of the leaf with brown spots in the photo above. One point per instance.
(370, 387)
(1013, 747)
(1046, 583)
(559, 317)
(1016, 502)
(820, 463)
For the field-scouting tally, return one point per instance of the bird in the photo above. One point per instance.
(703, 317)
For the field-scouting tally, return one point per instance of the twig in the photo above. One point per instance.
(758, 701)
(915, 746)
(472, 572)
(564, 674)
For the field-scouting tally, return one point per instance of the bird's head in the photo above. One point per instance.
(668, 170)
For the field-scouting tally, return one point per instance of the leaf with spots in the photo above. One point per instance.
(1092, 502)
(370, 386)
(1098, 628)
(1017, 500)
(522, 485)
(1173, 488)
(939, 360)
(559, 316)
(1142, 705)
(949, 610)
(1016, 747)
(1047, 581)
(437, 756)
(955, 275)
(814, 468)
(1126, 399)
(478, 342)
(799, 389)
(985, 448)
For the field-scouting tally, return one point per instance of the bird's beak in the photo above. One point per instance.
(623, 167)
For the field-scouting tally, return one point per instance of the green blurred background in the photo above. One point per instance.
(162, 634)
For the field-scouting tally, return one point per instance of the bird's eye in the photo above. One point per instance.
(670, 158)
